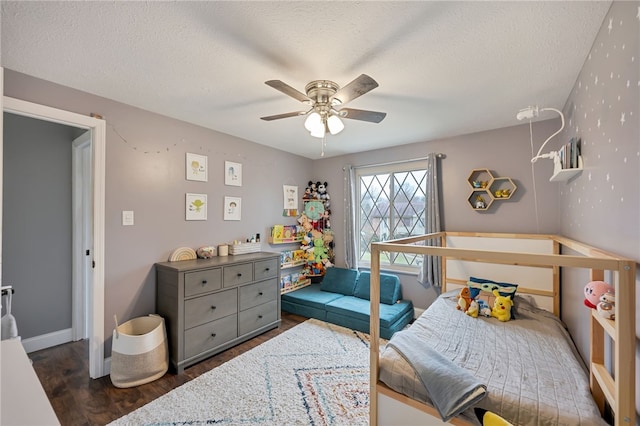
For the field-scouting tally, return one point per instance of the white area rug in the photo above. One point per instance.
(313, 374)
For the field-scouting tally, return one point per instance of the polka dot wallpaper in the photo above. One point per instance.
(601, 206)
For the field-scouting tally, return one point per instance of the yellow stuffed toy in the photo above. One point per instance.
(501, 307)
(487, 418)
(474, 309)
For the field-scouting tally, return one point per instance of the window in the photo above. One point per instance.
(391, 205)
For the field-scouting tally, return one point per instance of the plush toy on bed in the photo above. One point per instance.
(464, 299)
(501, 307)
(607, 305)
(474, 309)
(593, 291)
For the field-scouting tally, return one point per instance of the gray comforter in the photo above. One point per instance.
(530, 365)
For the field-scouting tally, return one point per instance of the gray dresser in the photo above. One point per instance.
(212, 304)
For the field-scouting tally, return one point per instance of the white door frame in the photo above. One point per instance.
(98, 140)
(81, 179)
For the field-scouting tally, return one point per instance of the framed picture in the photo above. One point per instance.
(196, 207)
(232, 208)
(196, 167)
(232, 173)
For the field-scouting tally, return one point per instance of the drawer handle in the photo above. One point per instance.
(204, 282)
(213, 334)
(260, 294)
(267, 269)
(239, 274)
(213, 307)
(259, 316)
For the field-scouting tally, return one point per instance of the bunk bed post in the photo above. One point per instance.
(596, 350)
(625, 342)
(374, 329)
(556, 281)
(443, 264)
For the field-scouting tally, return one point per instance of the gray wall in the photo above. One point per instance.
(37, 224)
(602, 206)
(145, 172)
(506, 152)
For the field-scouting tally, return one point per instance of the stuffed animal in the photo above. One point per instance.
(206, 252)
(313, 186)
(490, 419)
(474, 309)
(319, 250)
(593, 291)
(304, 221)
(464, 299)
(607, 305)
(307, 193)
(322, 191)
(501, 307)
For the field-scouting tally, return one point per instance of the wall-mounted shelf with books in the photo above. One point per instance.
(284, 241)
(561, 175)
(296, 286)
(290, 265)
(285, 234)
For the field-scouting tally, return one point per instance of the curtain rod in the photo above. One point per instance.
(438, 155)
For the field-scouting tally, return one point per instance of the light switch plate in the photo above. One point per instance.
(127, 218)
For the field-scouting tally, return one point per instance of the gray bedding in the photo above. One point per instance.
(530, 365)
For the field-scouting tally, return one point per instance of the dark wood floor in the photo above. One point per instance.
(79, 400)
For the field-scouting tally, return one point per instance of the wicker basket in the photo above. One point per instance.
(139, 352)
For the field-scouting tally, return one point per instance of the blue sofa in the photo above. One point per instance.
(342, 298)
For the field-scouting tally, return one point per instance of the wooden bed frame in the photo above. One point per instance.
(619, 393)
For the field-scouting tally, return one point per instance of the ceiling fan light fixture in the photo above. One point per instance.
(334, 124)
(313, 122)
(318, 132)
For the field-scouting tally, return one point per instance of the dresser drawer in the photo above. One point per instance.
(254, 318)
(265, 269)
(256, 294)
(208, 336)
(202, 281)
(210, 307)
(238, 274)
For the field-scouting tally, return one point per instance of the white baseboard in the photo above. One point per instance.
(48, 340)
(417, 312)
(106, 367)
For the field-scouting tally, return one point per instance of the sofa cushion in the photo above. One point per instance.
(311, 296)
(354, 307)
(339, 280)
(390, 290)
(356, 324)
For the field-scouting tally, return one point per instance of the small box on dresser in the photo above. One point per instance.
(210, 305)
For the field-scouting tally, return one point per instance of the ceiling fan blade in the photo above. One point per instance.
(363, 115)
(286, 115)
(288, 90)
(355, 89)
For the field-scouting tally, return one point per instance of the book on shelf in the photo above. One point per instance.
(285, 281)
(569, 154)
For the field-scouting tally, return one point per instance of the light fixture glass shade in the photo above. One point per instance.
(318, 132)
(335, 124)
(313, 122)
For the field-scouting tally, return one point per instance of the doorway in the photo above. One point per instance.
(93, 150)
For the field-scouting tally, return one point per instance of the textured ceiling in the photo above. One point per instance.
(444, 68)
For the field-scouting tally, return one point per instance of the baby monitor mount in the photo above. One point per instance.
(528, 114)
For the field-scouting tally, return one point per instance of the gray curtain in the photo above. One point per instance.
(350, 235)
(430, 271)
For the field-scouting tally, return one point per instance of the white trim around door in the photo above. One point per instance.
(98, 141)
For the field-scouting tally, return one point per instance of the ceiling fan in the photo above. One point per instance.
(325, 97)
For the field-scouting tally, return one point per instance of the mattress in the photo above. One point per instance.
(533, 373)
